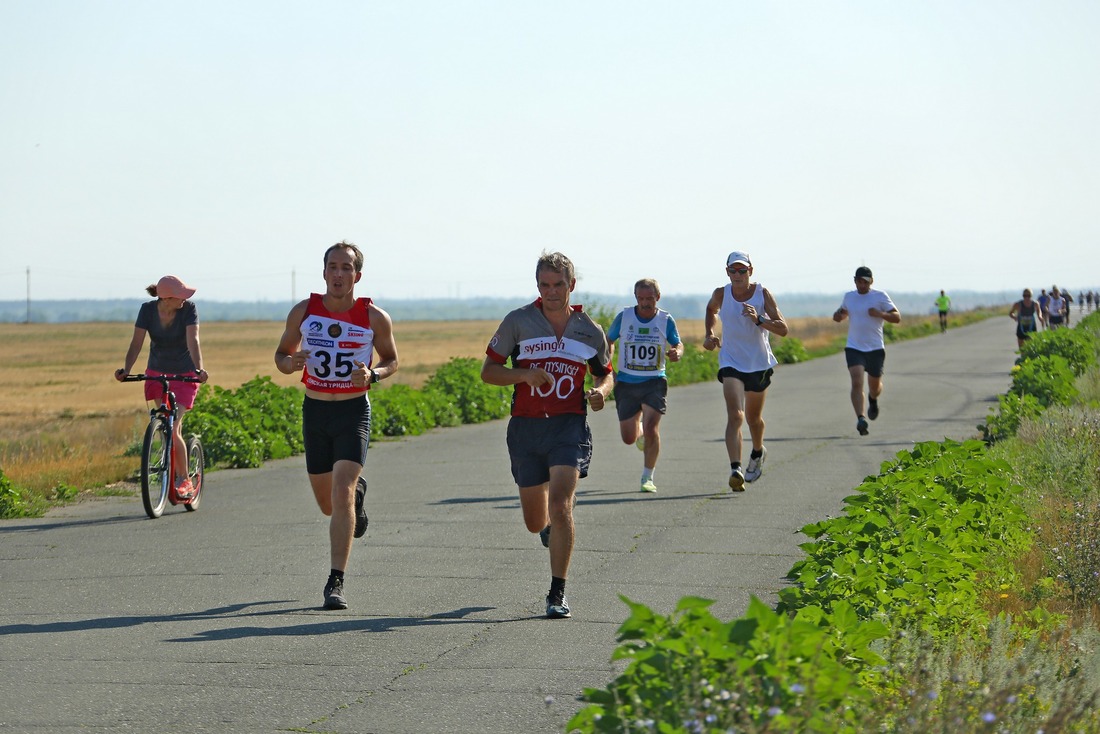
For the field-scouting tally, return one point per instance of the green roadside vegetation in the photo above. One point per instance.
(957, 592)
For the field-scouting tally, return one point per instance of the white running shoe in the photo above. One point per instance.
(648, 485)
(756, 466)
(737, 480)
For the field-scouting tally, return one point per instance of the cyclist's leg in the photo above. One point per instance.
(179, 448)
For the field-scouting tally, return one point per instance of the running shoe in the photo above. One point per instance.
(185, 490)
(872, 409)
(756, 466)
(737, 480)
(648, 485)
(861, 426)
(361, 520)
(640, 443)
(544, 536)
(557, 606)
(334, 594)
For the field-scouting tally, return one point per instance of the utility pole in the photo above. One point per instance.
(28, 294)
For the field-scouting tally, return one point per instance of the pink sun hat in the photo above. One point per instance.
(172, 287)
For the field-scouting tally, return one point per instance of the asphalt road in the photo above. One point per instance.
(211, 621)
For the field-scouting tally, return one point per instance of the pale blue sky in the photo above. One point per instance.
(945, 143)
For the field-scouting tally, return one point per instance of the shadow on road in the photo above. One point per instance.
(331, 626)
(352, 624)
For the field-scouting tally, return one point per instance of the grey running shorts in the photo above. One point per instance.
(536, 444)
(630, 396)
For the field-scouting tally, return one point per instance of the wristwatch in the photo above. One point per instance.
(373, 376)
(759, 319)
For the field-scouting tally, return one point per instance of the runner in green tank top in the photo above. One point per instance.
(943, 305)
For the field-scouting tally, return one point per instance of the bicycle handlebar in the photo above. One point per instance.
(164, 379)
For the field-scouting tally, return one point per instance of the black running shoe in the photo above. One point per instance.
(557, 606)
(872, 409)
(334, 594)
(861, 426)
(360, 508)
(544, 536)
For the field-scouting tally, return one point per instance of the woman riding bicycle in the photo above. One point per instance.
(172, 323)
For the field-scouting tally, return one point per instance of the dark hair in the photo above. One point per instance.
(557, 262)
(356, 253)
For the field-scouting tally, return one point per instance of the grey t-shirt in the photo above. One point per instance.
(168, 344)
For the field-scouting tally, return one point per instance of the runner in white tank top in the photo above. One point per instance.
(749, 316)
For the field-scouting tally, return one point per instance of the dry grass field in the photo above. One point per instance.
(64, 420)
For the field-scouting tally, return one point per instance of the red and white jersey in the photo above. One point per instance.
(529, 340)
(336, 341)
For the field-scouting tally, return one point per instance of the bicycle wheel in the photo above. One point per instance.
(196, 468)
(155, 468)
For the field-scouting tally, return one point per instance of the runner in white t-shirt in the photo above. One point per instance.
(866, 309)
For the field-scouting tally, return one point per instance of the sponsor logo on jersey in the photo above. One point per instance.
(314, 341)
(553, 349)
(540, 346)
(335, 330)
(350, 345)
(315, 326)
(355, 332)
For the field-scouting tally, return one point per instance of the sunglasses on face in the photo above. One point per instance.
(737, 271)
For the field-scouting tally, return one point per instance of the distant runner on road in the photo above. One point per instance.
(943, 305)
(552, 346)
(1025, 313)
(333, 338)
(866, 309)
(1056, 309)
(647, 335)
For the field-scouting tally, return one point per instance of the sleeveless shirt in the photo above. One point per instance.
(745, 346)
(642, 344)
(336, 341)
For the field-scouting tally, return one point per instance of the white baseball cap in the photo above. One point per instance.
(738, 257)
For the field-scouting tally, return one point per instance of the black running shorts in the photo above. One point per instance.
(872, 362)
(335, 430)
(753, 381)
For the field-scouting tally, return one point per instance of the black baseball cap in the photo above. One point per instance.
(864, 272)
